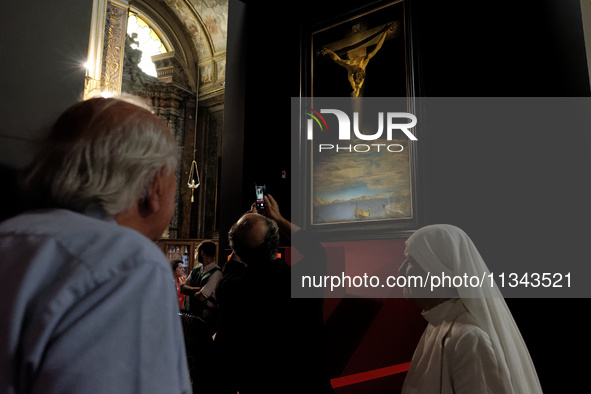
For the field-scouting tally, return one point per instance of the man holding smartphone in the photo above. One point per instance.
(259, 319)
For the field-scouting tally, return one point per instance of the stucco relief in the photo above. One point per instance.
(206, 74)
(221, 68)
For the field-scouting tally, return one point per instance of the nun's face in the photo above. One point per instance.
(416, 286)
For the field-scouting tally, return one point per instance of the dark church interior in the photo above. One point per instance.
(522, 197)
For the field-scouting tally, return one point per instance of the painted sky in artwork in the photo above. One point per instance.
(344, 176)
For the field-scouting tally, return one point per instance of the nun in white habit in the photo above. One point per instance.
(471, 344)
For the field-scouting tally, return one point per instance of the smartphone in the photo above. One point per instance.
(260, 193)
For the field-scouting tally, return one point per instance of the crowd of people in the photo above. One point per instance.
(88, 304)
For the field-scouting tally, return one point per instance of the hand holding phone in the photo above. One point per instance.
(260, 194)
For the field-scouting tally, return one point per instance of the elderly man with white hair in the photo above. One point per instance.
(87, 302)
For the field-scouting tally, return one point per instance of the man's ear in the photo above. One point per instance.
(151, 202)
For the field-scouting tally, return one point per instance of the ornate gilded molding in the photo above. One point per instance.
(106, 47)
(114, 44)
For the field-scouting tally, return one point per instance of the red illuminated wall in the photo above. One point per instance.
(370, 340)
(369, 337)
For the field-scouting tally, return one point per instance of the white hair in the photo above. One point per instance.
(103, 151)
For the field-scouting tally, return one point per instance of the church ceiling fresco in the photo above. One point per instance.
(206, 21)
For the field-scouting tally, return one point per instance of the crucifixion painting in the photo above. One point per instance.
(362, 65)
(363, 55)
(357, 55)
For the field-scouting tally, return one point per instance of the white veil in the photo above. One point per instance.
(446, 249)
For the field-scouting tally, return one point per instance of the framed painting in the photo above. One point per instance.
(358, 125)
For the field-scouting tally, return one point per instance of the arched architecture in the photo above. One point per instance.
(188, 92)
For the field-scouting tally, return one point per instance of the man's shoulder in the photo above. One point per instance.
(278, 266)
(53, 222)
(87, 238)
(194, 272)
(233, 267)
(69, 256)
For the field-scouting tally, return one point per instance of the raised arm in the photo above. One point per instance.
(272, 212)
(388, 28)
(335, 57)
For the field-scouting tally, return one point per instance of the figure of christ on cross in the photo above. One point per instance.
(356, 66)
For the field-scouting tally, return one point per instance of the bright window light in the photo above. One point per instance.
(147, 41)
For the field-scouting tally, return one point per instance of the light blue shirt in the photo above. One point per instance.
(87, 306)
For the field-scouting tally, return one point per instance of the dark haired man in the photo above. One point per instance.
(201, 283)
(200, 287)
